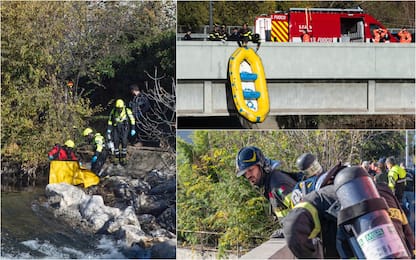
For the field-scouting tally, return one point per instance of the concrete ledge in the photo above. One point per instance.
(336, 97)
(208, 60)
(273, 249)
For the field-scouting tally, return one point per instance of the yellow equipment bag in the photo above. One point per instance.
(70, 172)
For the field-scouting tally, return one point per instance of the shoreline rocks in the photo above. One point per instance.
(134, 206)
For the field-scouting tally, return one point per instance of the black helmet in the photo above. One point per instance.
(308, 164)
(247, 157)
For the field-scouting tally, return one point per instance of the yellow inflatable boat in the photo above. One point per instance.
(248, 85)
(70, 172)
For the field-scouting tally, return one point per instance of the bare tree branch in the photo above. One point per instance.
(159, 122)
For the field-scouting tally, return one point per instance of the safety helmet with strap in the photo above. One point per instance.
(247, 157)
(87, 131)
(70, 144)
(308, 164)
(119, 103)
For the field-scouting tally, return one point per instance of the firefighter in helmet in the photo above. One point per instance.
(120, 121)
(100, 153)
(65, 152)
(245, 35)
(262, 172)
(311, 229)
(314, 174)
(215, 34)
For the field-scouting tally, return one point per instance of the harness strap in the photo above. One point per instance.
(315, 217)
(360, 209)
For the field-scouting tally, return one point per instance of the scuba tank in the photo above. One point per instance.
(364, 217)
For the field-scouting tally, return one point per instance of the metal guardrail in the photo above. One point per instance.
(202, 34)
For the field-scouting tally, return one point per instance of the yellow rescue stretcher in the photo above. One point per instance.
(72, 173)
(248, 85)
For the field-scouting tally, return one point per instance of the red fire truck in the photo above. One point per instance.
(322, 24)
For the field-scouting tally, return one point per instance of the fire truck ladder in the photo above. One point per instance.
(328, 10)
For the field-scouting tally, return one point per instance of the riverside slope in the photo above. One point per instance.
(136, 204)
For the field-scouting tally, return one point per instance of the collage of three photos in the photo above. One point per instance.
(208, 129)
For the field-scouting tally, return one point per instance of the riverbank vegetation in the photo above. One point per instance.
(65, 62)
(218, 210)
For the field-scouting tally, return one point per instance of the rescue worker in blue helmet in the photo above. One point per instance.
(262, 172)
(100, 152)
(120, 122)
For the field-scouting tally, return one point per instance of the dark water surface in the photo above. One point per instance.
(30, 231)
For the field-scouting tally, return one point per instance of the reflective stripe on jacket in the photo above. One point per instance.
(278, 188)
(99, 142)
(115, 118)
(396, 175)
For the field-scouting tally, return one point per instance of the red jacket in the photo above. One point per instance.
(62, 153)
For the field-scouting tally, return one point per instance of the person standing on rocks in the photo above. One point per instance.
(100, 152)
(118, 130)
(139, 105)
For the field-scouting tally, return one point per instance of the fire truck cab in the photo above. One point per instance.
(322, 24)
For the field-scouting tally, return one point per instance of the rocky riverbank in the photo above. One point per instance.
(136, 204)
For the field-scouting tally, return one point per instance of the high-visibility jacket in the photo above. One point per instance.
(396, 176)
(397, 181)
(117, 118)
(98, 143)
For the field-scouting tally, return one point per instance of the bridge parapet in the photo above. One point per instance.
(208, 60)
(303, 78)
(273, 249)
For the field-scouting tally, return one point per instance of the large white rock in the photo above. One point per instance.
(65, 194)
(96, 213)
(133, 235)
(127, 217)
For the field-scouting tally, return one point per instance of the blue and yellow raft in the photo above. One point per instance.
(248, 85)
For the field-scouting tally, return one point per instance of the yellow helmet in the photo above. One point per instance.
(70, 143)
(119, 103)
(87, 131)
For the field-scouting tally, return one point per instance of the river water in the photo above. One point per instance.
(30, 231)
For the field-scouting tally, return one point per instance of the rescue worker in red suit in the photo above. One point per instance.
(405, 35)
(310, 229)
(63, 153)
(262, 172)
(121, 119)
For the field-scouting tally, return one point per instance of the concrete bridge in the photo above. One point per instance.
(302, 78)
